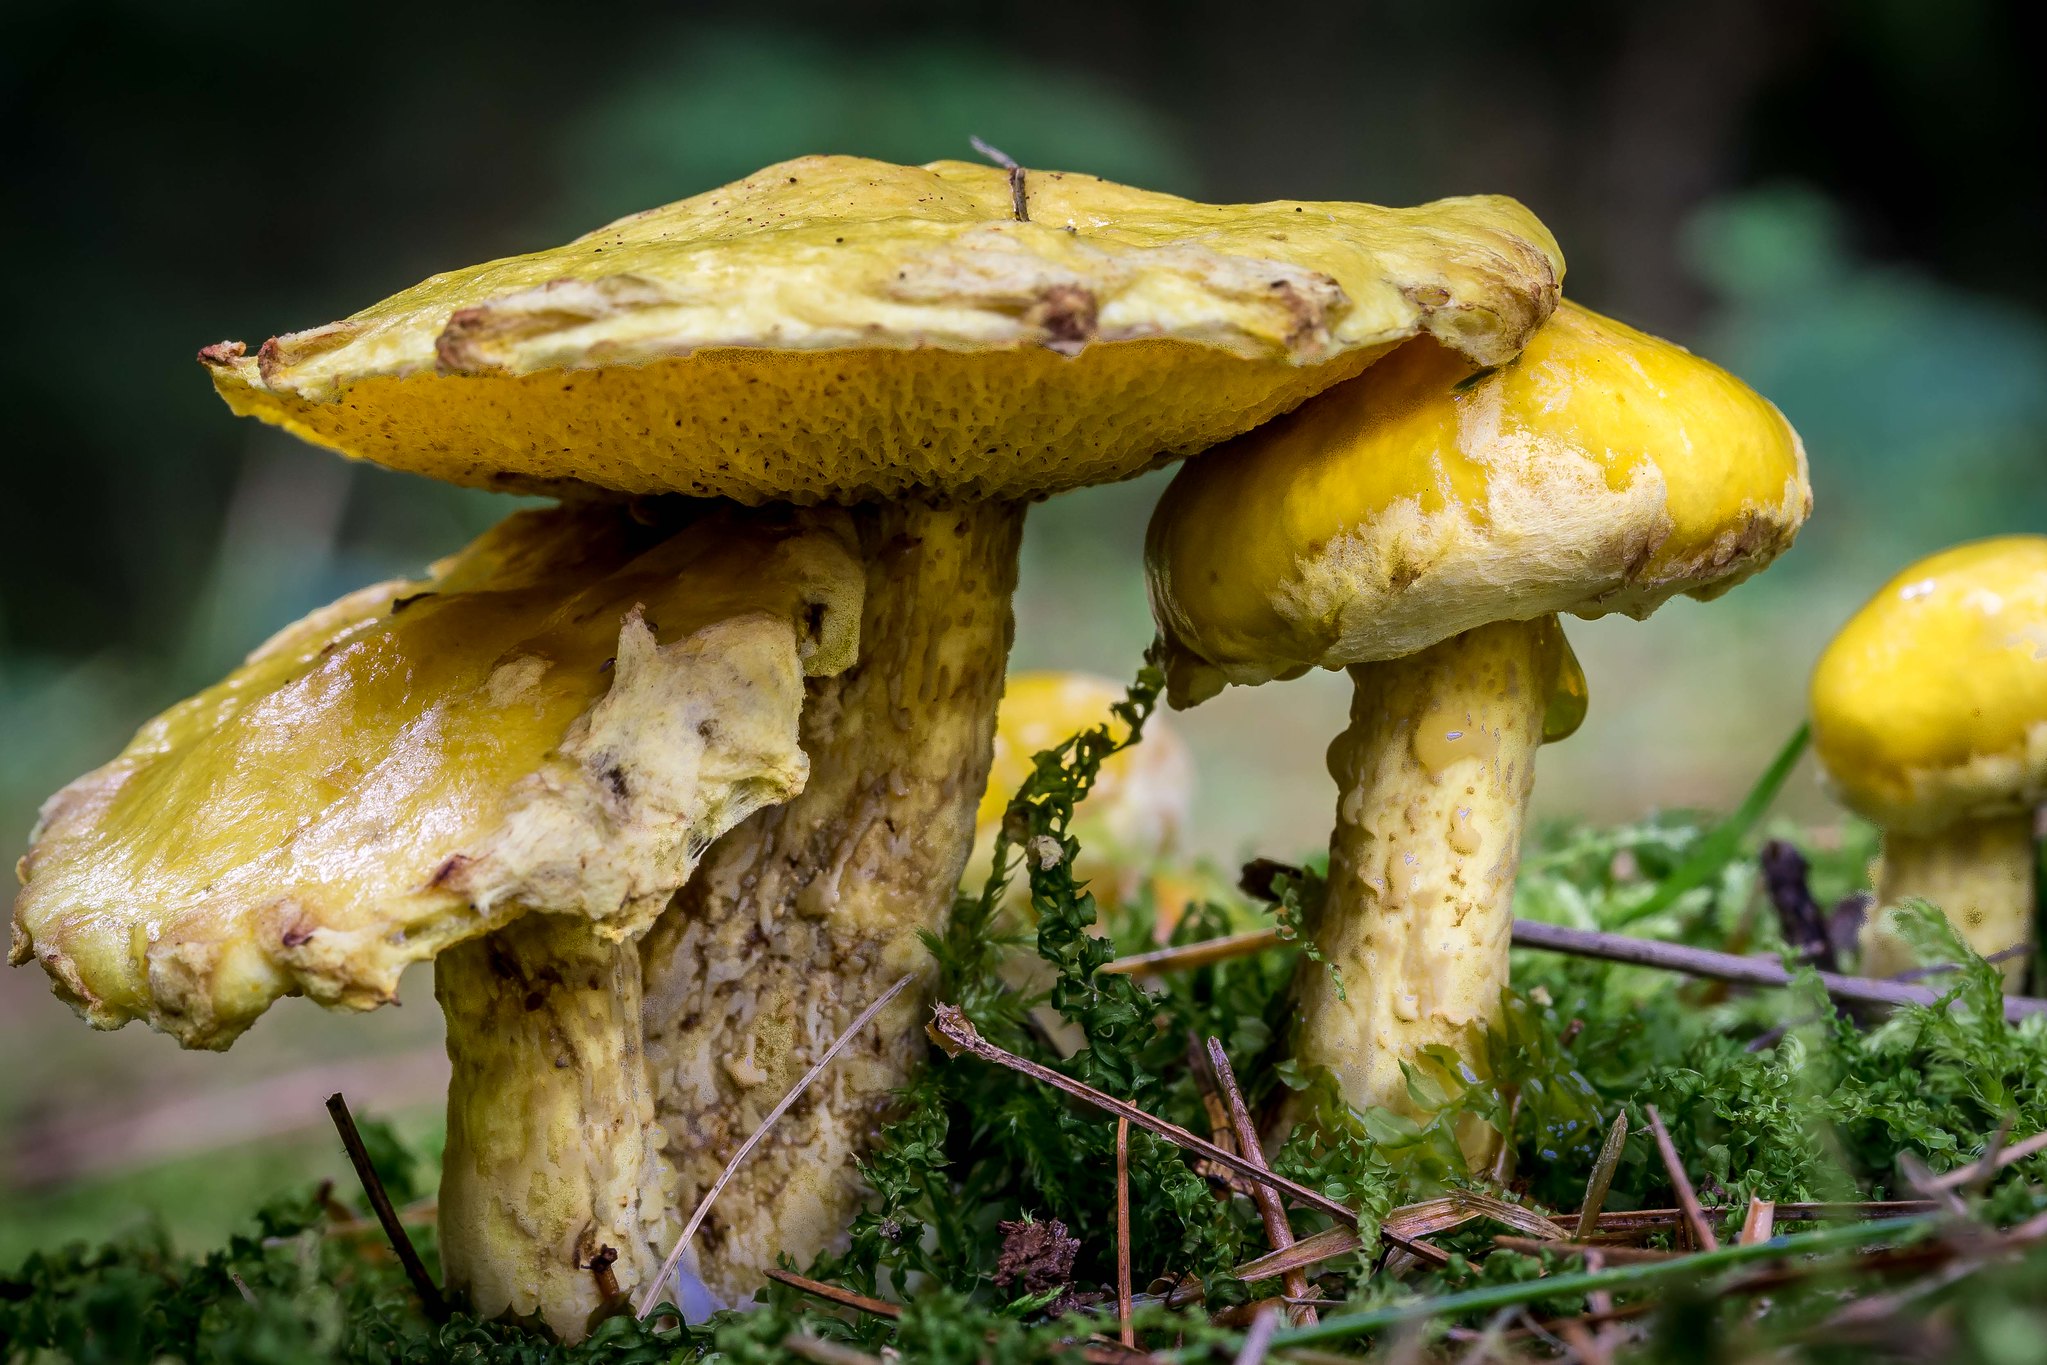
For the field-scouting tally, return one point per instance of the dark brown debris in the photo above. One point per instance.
(1036, 1256)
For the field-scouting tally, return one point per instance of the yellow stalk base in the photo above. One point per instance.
(1980, 874)
(1434, 774)
(555, 1201)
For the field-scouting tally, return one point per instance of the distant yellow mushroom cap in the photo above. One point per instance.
(1930, 706)
(1601, 470)
(559, 719)
(834, 327)
(1140, 803)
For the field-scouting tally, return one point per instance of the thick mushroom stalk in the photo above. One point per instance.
(1433, 777)
(1978, 872)
(1423, 525)
(515, 762)
(803, 915)
(555, 1197)
(1929, 717)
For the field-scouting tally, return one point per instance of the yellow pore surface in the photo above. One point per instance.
(1602, 470)
(559, 718)
(1930, 706)
(834, 327)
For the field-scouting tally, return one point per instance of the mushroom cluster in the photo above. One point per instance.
(673, 785)
(1423, 526)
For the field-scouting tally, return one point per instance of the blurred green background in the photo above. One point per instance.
(1841, 200)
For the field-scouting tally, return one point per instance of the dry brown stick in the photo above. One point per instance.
(1125, 1333)
(1733, 967)
(1602, 1176)
(1618, 1255)
(1645, 1220)
(881, 1308)
(373, 1186)
(1188, 956)
(955, 1033)
(1695, 1217)
(1277, 1230)
(1310, 1250)
(1228, 1182)
(1624, 948)
(652, 1298)
(1019, 201)
(1258, 1340)
(1998, 1159)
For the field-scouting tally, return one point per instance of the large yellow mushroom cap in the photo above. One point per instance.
(1930, 707)
(834, 327)
(1601, 470)
(561, 718)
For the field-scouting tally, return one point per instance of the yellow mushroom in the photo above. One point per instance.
(1422, 526)
(1135, 815)
(934, 346)
(1929, 715)
(508, 766)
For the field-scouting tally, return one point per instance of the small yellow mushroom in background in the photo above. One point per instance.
(1422, 526)
(1133, 822)
(1929, 716)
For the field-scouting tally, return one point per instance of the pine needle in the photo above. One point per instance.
(652, 1299)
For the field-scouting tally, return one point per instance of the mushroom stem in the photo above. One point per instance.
(1979, 873)
(555, 1198)
(1433, 775)
(808, 910)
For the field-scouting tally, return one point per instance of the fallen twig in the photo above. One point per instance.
(1277, 1230)
(955, 1033)
(359, 1156)
(1019, 201)
(1626, 1277)
(1618, 1255)
(1687, 1199)
(1188, 956)
(652, 1299)
(1259, 1339)
(1124, 1332)
(1997, 1158)
(1745, 971)
(881, 1308)
(1624, 948)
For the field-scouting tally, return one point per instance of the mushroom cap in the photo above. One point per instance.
(560, 718)
(839, 328)
(1139, 805)
(1601, 470)
(1930, 706)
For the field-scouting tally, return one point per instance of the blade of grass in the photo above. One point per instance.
(1718, 847)
(1623, 1277)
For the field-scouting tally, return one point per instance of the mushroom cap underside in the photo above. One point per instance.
(560, 718)
(1930, 706)
(1600, 470)
(840, 328)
